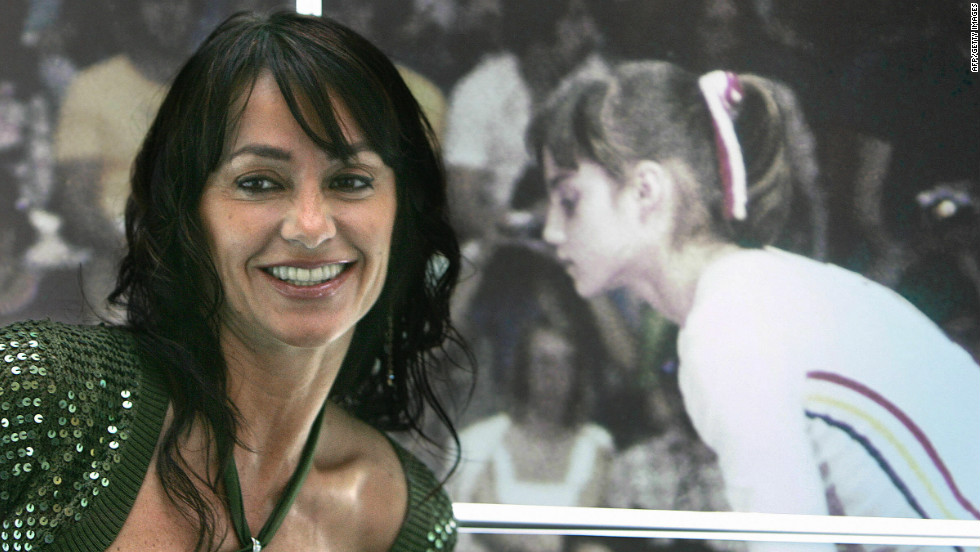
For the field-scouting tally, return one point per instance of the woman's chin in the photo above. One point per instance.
(588, 288)
(312, 339)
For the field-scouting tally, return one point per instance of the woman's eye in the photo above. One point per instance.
(568, 202)
(256, 184)
(351, 183)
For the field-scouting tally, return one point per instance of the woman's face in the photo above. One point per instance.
(586, 224)
(300, 239)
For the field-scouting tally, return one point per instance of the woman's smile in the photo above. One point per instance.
(299, 282)
(305, 277)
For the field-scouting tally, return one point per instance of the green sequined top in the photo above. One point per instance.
(80, 413)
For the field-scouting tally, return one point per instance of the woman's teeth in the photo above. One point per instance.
(307, 276)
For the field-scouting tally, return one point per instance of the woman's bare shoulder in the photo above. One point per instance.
(358, 472)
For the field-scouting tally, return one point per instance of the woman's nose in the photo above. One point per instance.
(309, 221)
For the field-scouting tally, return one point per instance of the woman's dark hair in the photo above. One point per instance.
(522, 291)
(167, 280)
(655, 110)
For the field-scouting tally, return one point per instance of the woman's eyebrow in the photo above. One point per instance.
(260, 150)
(361, 147)
(280, 154)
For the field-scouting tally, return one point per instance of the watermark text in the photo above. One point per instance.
(974, 40)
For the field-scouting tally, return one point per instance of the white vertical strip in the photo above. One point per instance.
(309, 7)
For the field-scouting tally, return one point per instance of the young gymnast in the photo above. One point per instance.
(821, 391)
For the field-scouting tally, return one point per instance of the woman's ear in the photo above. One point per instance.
(649, 185)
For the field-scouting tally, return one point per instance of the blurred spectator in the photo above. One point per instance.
(541, 448)
(384, 22)
(25, 165)
(490, 107)
(106, 111)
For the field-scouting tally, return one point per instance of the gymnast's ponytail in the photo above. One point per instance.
(784, 204)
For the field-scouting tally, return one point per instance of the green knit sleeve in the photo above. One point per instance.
(430, 525)
(78, 419)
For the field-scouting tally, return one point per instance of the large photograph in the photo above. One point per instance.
(717, 255)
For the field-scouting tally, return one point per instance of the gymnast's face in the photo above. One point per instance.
(585, 223)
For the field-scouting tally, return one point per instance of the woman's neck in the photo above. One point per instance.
(278, 393)
(278, 390)
(278, 397)
(669, 281)
(543, 425)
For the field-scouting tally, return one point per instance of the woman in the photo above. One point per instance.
(820, 391)
(287, 284)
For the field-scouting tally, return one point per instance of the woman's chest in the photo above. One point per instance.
(327, 515)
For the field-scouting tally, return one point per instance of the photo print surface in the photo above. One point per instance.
(639, 343)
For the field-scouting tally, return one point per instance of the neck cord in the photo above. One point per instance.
(236, 505)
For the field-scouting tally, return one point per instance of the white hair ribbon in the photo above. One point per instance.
(723, 92)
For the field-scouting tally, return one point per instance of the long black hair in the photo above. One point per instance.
(168, 283)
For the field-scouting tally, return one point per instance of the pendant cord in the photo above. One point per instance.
(236, 507)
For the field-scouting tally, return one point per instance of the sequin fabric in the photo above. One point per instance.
(68, 399)
(430, 525)
(80, 414)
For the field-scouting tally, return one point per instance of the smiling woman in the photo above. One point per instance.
(287, 207)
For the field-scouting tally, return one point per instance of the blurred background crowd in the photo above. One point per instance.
(576, 401)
